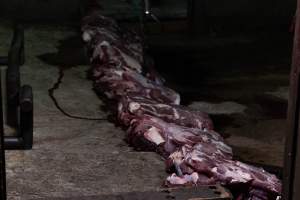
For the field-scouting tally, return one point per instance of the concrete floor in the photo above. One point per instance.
(72, 157)
(78, 158)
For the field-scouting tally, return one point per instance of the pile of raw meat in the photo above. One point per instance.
(155, 121)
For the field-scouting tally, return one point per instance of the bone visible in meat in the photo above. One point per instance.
(133, 105)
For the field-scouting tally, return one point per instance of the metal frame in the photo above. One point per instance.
(19, 102)
(291, 179)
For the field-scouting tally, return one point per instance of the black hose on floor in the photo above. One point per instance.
(51, 95)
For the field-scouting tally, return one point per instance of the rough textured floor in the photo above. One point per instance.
(71, 157)
(87, 158)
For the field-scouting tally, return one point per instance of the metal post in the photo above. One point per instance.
(2, 155)
(15, 60)
(24, 139)
(291, 179)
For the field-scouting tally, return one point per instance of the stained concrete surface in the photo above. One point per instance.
(87, 158)
(218, 108)
(71, 158)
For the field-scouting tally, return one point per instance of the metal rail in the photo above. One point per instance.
(15, 60)
(19, 100)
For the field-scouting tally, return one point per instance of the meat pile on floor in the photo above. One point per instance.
(155, 121)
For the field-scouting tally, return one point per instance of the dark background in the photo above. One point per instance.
(246, 13)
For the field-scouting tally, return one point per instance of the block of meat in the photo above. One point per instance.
(149, 133)
(133, 105)
(104, 53)
(99, 30)
(117, 83)
(109, 43)
(207, 159)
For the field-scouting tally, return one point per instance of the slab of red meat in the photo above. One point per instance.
(109, 44)
(149, 133)
(115, 83)
(99, 32)
(208, 160)
(200, 157)
(133, 105)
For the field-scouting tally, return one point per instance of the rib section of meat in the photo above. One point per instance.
(150, 133)
(150, 112)
(213, 165)
(134, 105)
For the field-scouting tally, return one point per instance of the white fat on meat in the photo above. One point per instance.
(235, 173)
(177, 100)
(154, 136)
(177, 157)
(119, 72)
(176, 114)
(133, 107)
(86, 36)
(120, 107)
(199, 123)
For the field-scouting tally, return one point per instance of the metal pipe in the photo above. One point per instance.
(26, 99)
(19, 101)
(148, 13)
(15, 59)
(24, 140)
(147, 7)
(26, 116)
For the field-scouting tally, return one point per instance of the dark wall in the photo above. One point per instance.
(36, 10)
(247, 12)
(242, 14)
